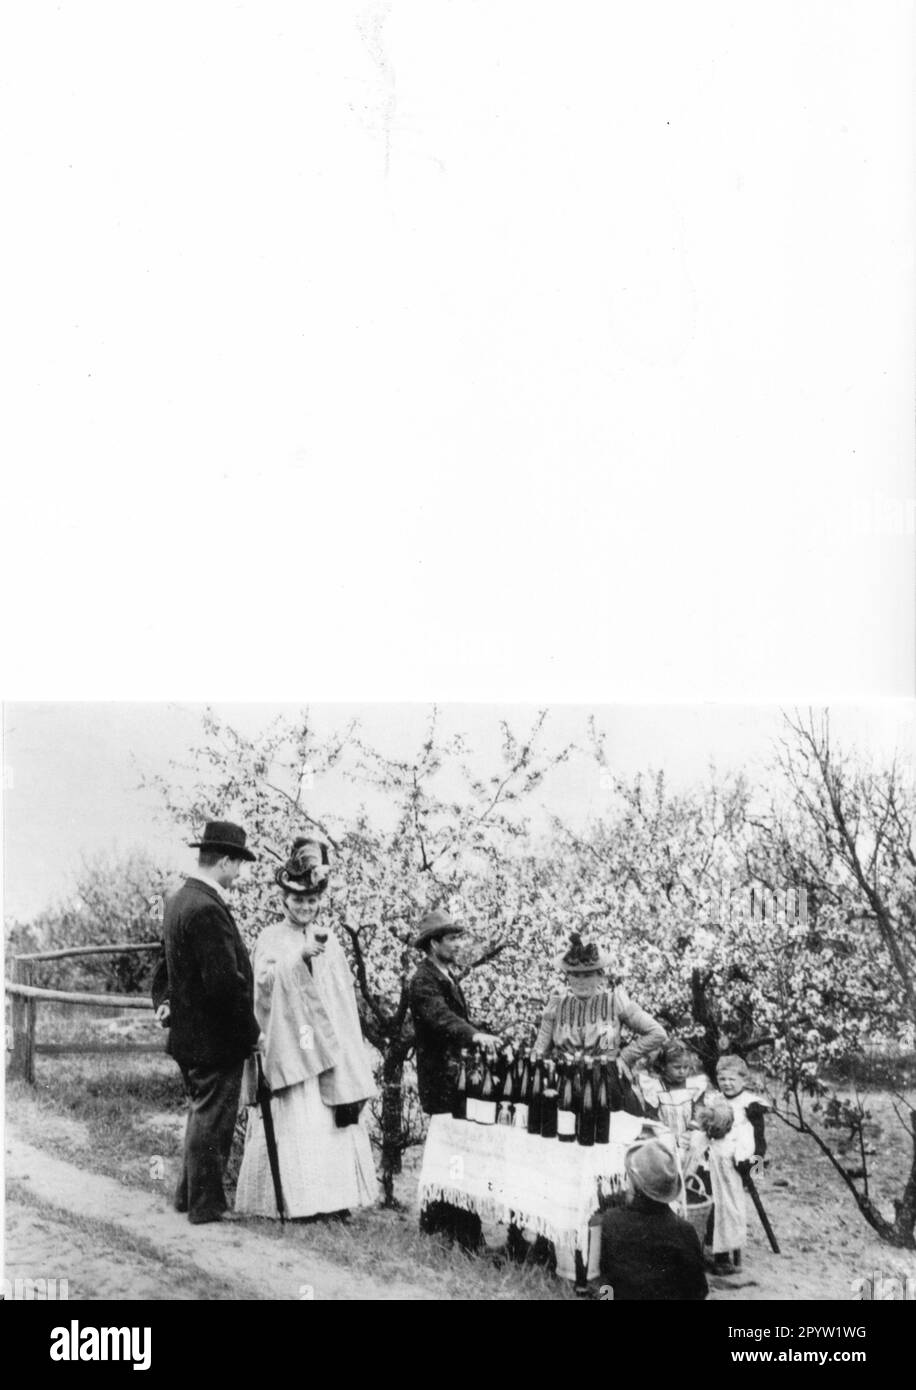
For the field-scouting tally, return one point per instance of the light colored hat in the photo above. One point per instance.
(653, 1169)
(434, 925)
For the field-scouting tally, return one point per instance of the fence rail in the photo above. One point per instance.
(25, 997)
(62, 1049)
(91, 951)
(73, 996)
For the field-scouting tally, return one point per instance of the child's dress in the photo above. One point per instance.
(676, 1106)
(748, 1108)
(743, 1141)
(729, 1230)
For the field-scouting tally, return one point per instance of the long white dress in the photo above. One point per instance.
(730, 1224)
(322, 1168)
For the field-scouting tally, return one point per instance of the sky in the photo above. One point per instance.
(401, 350)
(541, 350)
(73, 771)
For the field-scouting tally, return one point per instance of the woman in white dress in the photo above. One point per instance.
(314, 1057)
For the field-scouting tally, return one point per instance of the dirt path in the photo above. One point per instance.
(163, 1252)
(66, 1261)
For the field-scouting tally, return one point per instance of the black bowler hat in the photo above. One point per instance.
(223, 835)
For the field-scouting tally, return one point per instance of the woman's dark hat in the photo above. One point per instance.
(582, 957)
(224, 836)
(434, 925)
(306, 870)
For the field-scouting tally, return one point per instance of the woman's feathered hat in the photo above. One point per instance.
(582, 957)
(306, 870)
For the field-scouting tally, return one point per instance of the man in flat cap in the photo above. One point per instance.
(203, 990)
(442, 1028)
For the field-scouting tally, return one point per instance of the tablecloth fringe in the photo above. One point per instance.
(499, 1211)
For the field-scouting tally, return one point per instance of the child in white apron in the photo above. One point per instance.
(748, 1135)
(733, 1121)
(672, 1092)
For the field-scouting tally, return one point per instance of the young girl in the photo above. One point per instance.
(748, 1108)
(733, 1122)
(673, 1092)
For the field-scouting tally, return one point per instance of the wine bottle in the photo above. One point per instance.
(460, 1103)
(614, 1088)
(507, 1073)
(475, 1082)
(520, 1088)
(505, 1111)
(602, 1106)
(577, 1071)
(486, 1106)
(534, 1095)
(549, 1101)
(587, 1116)
(566, 1110)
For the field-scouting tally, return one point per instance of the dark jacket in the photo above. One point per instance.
(441, 1028)
(649, 1253)
(205, 975)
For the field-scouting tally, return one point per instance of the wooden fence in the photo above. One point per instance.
(25, 997)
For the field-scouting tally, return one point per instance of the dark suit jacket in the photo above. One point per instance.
(441, 1028)
(205, 974)
(649, 1253)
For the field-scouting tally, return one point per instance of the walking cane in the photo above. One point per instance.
(751, 1189)
(270, 1138)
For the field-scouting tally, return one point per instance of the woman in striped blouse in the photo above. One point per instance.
(590, 1013)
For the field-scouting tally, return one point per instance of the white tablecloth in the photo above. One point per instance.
(504, 1174)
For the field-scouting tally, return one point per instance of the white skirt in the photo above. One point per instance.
(729, 1228)
(322, 1168)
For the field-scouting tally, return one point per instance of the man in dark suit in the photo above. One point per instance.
(442, 1028)
(203, 989)
(441, 1023)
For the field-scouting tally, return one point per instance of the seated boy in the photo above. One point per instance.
(647, 1252)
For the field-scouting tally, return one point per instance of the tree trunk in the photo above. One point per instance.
(392, 1121)
(704, 1018)
(904, 1227)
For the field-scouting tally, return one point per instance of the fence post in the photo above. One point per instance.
(22, 1015)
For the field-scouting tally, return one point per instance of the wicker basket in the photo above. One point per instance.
(698, 1207)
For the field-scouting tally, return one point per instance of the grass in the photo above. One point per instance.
(115, 1114)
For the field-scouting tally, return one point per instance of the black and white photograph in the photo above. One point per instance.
(470, 1002)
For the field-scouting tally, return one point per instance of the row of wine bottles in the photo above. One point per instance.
(569, 1098)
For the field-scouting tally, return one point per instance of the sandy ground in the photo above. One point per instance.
(40, 1246)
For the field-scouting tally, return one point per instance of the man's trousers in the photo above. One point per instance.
(213, 1096)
